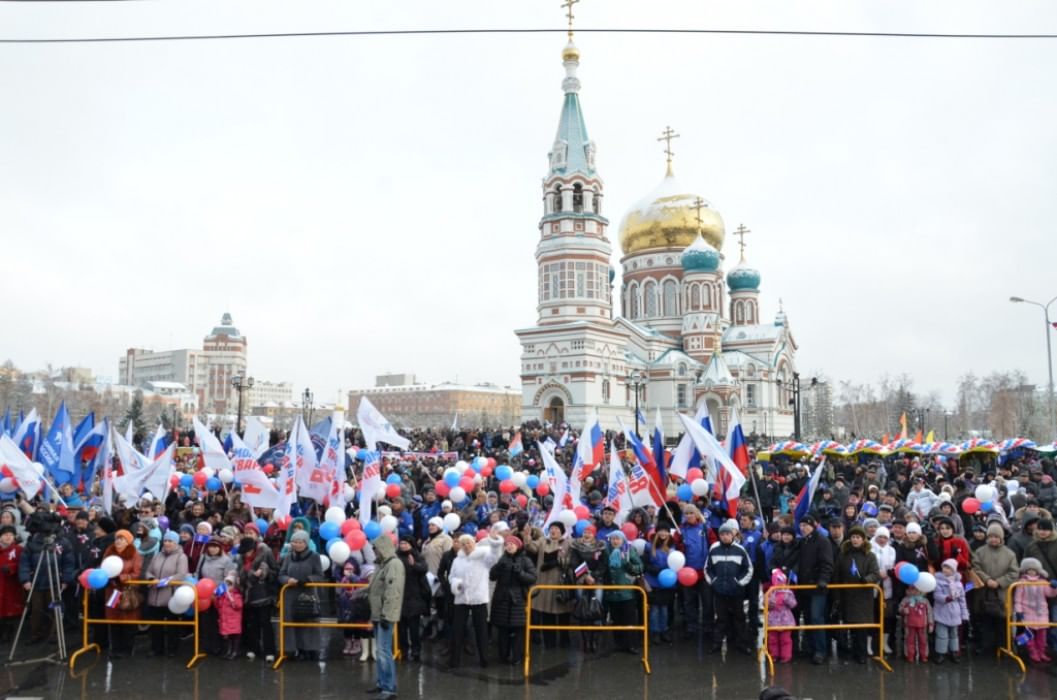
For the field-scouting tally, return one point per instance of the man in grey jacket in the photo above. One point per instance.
(385, 594)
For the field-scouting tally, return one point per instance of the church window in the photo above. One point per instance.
(557, 198)
(750, 316)
(750, 395)
(578, 198)
(605, 391)
(671, 298)
(695, 297)
(597, 202)
(649, 293)
(633, 299)
(682, 370)
(681, 394)
(739, 313)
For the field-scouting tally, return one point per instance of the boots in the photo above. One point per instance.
(355, 646)
(365, 652)
(884, 642)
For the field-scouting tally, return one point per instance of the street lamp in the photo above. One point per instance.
(636, 380)
(946, 414)
(306, 405)
(1049, 352)
(795, 401)
(240, 385)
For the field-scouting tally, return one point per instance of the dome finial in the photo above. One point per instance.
(570, 54)
(667, 135)
(741, 232)
(568, 5)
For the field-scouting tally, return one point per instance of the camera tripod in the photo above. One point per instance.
(49, 560)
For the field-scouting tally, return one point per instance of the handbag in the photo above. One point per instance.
(566, 595)
(992, 603)
(306, 607)
(131, 599)
(588, 608)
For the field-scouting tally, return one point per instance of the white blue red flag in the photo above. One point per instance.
(729, 475)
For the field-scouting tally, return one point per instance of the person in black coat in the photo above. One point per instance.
(786, 553)
(416, 597)
(814, 567)
(513, 574)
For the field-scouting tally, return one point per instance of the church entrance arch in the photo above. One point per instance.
(554, 412)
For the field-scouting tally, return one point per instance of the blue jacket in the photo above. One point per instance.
(654, 560)
(429, 510)
(729, 569)
(695, 545)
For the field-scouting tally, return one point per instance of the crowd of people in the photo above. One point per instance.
(461, 591)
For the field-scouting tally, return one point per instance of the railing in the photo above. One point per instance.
(644, 627)
(1012, 624)
(283, 624)
(193, 622)
(879, 625)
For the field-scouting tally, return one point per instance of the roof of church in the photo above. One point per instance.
(717, 373)
(752, 333)
(572, 130)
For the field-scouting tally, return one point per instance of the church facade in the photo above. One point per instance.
(690, 334)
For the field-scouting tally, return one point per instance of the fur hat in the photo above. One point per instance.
(857, 530)
(1031, 563)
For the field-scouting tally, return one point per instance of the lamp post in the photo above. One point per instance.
(240, 385)
(795, 401)
(1049, 353)
(306, 405)
(946, 415)
(636, 380)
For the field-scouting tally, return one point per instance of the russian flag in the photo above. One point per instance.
(87, 439)
(516, 447)
(27, 435)
(803, 500)
(646, 461)
(592, 446)
(658, 451)
(736, 445)
(686, 455)
(730, 479)
(114, 599)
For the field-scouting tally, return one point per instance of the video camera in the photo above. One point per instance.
(44, 523)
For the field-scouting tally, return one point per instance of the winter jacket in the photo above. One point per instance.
(434, 549)
(513, 576)
(916, 612)
(784, 557)
(551, 558)
(32, 554)
(886, 561)
(815, 560)
(229, 611)
(654, 562)
(728, 569)
(996, 564)
(695, 545)
(12, 596)
(215, 568)
(304, 567)
(469, 574)
(752, 543)
(916, 553)
(955, 548)
(623, 566)
(385, 592)
(164, 566)
(416, 587)
(258, 590)
(132, 566)
(590, 553)
(1045, 550)
(952, 612)
(857, 565)
(1031, 601)
(780, 603)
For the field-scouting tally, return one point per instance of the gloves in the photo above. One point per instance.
(949, 599)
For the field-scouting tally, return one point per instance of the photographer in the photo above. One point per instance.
(45, 529)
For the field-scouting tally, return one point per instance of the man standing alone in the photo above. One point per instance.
(385, 593)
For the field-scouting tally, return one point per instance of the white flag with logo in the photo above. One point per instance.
(212, 450)
(257, 490)
(558, 481)
(618, 496)
(154, 478)
(370, 483)
(309, 477)
(376, 428)
(332, 463)
(21, 468)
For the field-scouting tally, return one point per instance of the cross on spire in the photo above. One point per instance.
(741, 232)
(568, 5)
(667, 135)
(699, 204)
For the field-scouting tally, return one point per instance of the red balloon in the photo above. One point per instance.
(490, 463)
(467, 484)
(442, 489)
(206, 587)
(174, 481)
(507, 486)
(468, 472)
(630, 530)
(349, 525)
(687, 576)
(200, 479)
(693, 474)
(542, 489)
(970, 505)
(486, 471)
(481, 534)
(268, 468)
(522, 501)
(83, 578)
(204, 604)
(582, 513)
(392, 490)
(356, 539)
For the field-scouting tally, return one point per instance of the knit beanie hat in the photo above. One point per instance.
(516, 541)
(299, 536)
(882, 532)
(913, 529)
(996, 530)
(618, 534)
(952, 563)
(171, 536)
(1044, 524)
(188, 528)
(728, 528)
(437, 522)
(124, 533)
(107, 525)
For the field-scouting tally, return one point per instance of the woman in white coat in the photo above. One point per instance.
(469, 583)
(882, 549)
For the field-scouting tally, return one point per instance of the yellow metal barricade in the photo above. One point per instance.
(1012, 624)
(879, 625)
(193, 622)
(644, 627)
(283, 624)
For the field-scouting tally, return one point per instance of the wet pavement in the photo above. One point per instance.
(678, 671)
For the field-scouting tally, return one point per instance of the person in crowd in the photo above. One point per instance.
(469, 578)
(353, 607)
(623, 567)
(856, 564)
(229, 604)
(12, 601)
(1044, 548)
(786, 552)
(950, 610)
(780, 605)
(947, 545)
(302, 566)
(697, 599)
(728, 571)
(885, 554)
(258, 581)
(814, 567)
(589, 565)
(513, 575)
(169, 564)
(215, 565)
(996, 566)
(32, 560)
(416, 597)
(655, 560)
(1031, 606)
(918, 623)
(385, 594)
(128, 602)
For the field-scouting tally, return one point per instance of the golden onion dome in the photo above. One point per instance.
(570, 52)
(667, 218)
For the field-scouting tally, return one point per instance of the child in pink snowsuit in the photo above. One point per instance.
(916, 612)
(1031, 606)
(229, 616)
(780, 604)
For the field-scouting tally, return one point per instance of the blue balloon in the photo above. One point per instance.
(452, 479)
(532, 481)
(987, 506)
(187, 481)
(361, 455)
(97, 579)
(908, 574)
(213, 484)
(328, 531)
(684, 493)
(372, 530)
(392, 479)
(262, 525)
(580, 526)
(667, 578)
(503, 472)
(479, 463)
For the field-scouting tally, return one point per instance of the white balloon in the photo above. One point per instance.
(457, 494)
(926, 582)
(379, 495)
(176, 607)
(568, 518)
(1011, 486)
(335, 515)
(984, 493)
(676, 560)
(112, 565)
(8, 485)
(184, 597)
(350, 493)
(478, 479)
(460, 467)
(639, 545)
(209, 472)
(389, 523)
(339, 552)
(699, 487)
(452, 521)
(519, 479)
(226, 476)
(324, 563)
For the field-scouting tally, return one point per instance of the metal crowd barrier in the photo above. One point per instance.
(193, 622)
(879, 626)
(1012, 624)
(644, 627)
(283, 624)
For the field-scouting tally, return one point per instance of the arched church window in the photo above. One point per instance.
(633, 301)
(597, 208)
(557, 198)
(649, 293)
(578, 198)
(750, 315)
(671, 298)
(695, 297)
(739, 313)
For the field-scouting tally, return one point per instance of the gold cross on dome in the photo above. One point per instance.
(667, 135)
(699, 204)
(741, 232)
(568, 5)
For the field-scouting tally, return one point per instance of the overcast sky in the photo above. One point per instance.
(370, 204)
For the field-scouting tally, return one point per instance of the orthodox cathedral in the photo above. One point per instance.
(690, 336)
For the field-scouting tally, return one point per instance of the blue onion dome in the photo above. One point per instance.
(743, 278)
(700, 256)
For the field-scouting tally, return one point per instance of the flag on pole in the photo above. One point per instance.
(5, 425)
(564, 440)
(658, 452)
(550, 445)
(159, 442)
(114, 600)
(591, 448)
(21, 468)
(557, 480)
(516, 447)
(130, 433)
(332, 462)
(56, 451)
(257, 490)
(737, 447)
(131, 459)
(572, 485)
(686, 455)
(27, 435)
(455, 423)
(930, 438)
(646, 461)
(212, 451)
(807, 493)
(376, 428)
(728, 472)
(370, 484)
(903, 426)
(255, 436)
(104, 459)
(309, 477)
(86, 447)
(153, 478)
(640, 417)
(618, 496)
